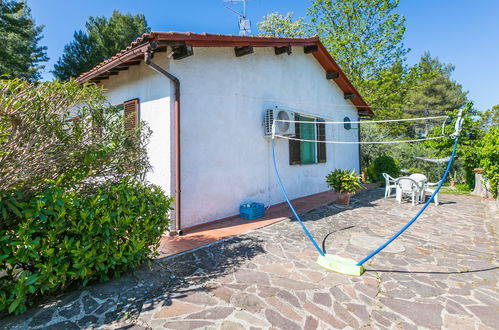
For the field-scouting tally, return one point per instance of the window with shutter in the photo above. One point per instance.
(131, 114)
(303, 152)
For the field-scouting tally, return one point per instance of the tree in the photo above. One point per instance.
(102, 39)
(281, 26)
(20, 53)
(437, 92)
(490, 118)
(365, 38)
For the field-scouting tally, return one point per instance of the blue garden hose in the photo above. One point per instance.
(289, 202)
(379, 249)
(360, 263)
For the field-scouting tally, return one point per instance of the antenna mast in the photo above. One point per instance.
(244, 22)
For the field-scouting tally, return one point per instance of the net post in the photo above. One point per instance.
(458, 125)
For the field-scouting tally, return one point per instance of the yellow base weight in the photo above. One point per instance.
(340, 265)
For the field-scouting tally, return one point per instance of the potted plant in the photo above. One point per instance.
(346, 183)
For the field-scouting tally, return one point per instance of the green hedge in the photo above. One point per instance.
(383, 164)
(59, 238)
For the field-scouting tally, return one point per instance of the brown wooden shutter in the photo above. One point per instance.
(131, 114)
(294, 146)
(321, 136)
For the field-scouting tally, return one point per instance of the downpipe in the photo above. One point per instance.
(177, 230)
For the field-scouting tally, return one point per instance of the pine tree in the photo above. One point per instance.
(102, 39)
(439, 93)
(20, 53)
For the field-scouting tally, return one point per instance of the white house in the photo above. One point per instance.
(205, 96)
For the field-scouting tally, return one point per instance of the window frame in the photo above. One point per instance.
(295, 155)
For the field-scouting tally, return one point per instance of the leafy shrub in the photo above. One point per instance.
(344, 181)
(413, 170)
(462, 187)
(65, 132)
(59, 238)
(488, 155)
(384, 164)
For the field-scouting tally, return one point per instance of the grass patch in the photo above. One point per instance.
(458, 189)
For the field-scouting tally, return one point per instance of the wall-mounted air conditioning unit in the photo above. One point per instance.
(281, 127)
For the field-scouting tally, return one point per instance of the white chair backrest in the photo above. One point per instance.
(418, 177)
(388, 178)
(407, 184)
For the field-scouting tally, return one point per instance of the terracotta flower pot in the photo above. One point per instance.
(343, 198)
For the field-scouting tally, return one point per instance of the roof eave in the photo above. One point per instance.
(142, 44)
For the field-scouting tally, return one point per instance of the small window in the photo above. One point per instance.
(347, 123)
(308, 152)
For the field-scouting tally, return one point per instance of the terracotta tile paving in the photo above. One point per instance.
(232, 226)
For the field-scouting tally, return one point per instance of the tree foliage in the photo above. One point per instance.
(468, 138)
(20, 53)
(280, 26)
(63, 132)
(437, 93)
(364, 37)
(102, 39)
(488, 158)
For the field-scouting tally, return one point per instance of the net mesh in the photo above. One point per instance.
(307, 129)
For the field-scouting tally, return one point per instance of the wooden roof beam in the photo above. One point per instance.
(180, 52)
(282, 50)
(310, 49)
(332, 74)
(243, 50)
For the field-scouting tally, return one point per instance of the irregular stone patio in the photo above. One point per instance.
(442, 273)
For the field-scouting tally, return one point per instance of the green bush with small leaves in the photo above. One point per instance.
(383, 164)
(59, 238)
(344, 181)
(414, 170)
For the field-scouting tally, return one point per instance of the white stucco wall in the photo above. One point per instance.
(153, 91)
(225, 157)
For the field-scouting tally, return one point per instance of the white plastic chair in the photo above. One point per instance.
(427, 189)
(408, 187)
(421, 179)
(389, 184)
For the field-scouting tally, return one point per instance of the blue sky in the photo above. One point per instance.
(462, 32)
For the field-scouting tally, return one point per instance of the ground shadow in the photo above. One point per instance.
(432, 272)
(145, 288)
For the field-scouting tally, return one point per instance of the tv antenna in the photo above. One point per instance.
(244, 22)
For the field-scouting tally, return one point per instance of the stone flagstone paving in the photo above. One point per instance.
(442, 273)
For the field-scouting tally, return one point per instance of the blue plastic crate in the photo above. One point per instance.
(251, 211)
